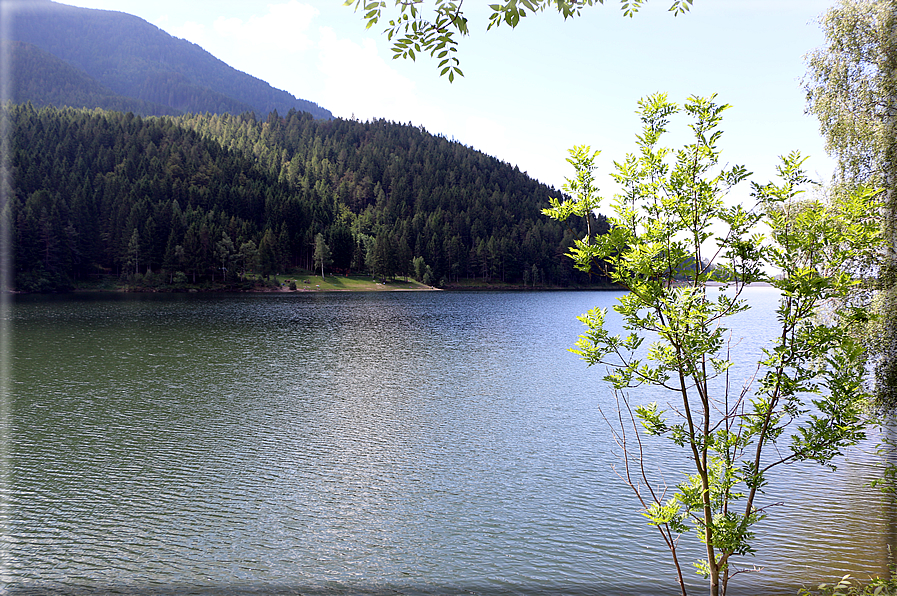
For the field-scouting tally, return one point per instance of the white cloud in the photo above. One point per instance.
(349, 74)
(273, 46)
(194, 32)
(283, 29)
(339, 71)
(487, 135)
(358, 81)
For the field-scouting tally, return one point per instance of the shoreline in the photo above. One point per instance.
(298, 283)
(307, 284)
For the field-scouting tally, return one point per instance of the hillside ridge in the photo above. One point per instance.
(216, 197)
(135, 61)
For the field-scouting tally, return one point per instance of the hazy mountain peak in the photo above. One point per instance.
(136, 62)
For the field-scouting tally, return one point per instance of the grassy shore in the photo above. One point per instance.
(347, 283)
(298, 282)
(304, 281)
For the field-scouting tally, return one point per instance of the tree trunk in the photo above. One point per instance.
(708, 537)
(714, 581)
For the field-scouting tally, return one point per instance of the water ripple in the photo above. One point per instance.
(365, 444)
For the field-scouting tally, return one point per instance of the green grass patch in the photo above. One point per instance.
(351, 283)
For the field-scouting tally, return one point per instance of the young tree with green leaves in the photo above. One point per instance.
(226, 253)
(321, 256)
(806, 398)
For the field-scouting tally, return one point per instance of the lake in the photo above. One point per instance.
(378, 443)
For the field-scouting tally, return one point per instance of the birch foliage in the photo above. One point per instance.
(851, 86)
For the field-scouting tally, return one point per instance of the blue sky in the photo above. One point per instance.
(530, 93)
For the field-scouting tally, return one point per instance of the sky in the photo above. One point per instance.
(531, 93)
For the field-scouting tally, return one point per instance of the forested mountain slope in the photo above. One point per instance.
(131, 58)
(43, 79)
(106, 192)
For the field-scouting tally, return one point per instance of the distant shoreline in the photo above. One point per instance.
(309, 283)
(305, 284)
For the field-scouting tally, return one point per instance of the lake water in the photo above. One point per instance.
(384, 443)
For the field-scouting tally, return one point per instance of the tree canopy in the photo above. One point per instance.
(851, 87)
(416, 28)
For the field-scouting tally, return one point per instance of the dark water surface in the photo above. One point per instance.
(396, 443)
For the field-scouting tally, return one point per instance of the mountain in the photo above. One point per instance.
(112, 60)
(43, 79)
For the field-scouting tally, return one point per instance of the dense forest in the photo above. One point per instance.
(210, 198)
(81, 57)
